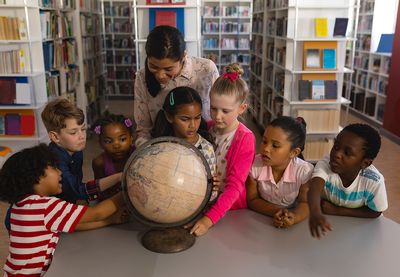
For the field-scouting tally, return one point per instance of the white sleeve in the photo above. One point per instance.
(377, 200)
(322, 169)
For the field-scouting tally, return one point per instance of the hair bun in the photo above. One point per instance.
(234, 67)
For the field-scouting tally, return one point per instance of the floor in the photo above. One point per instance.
(388, 156)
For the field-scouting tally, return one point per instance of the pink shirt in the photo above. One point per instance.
(239, 158)
(196, 73)
(284, 193)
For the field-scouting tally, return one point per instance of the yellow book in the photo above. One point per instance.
(321, 27)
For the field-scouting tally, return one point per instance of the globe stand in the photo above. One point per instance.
(171, 240)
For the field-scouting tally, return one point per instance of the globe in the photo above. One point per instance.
(166, 183)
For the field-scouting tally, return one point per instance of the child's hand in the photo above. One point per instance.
(288, 220)
(120, 216)
(216, 182)
(328, 208)
(279, 216)
(318, 220)
(200, 227)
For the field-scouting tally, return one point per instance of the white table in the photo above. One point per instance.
(243, 243)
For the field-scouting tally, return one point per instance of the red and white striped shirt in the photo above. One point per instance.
(36, 223)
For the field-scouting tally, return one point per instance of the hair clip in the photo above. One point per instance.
(298, 119)
(233, 76)
(128, 122)
(97, 130)
(171, 99)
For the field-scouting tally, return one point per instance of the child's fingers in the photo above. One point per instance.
(188, 226)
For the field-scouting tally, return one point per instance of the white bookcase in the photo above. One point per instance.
(226, 29)
(120, 48)
(92, 58)
(35, 73)
(191, 23)
(365, 88)
(277, 79)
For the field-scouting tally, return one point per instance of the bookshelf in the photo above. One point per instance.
(226, 33)
(91, 91)
(120, 48)
(366, 88)
(189, 16)
(33, 75)
(277, 63)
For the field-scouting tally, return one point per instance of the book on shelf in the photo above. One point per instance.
(370, 105)
(166, 18)
(8, 91)
(2, 125)
(360, 98)
(27, 125)
(321, 27)
(12, 28)
(331, 89)
(23, 93)
(13, 124)
(312, 59)
(385, 43)
(318, 90)
(304, 89)
(380, 112)
(340, 27)
(12, 62)
(329, 58)
(180, 18)
(53, 84)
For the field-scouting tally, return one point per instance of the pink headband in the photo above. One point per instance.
(233, 76)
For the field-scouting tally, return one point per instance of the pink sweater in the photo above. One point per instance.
(239, 159)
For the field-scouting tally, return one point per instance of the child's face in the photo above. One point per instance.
(186, 122)
(224, 111)
(49, 184)
(72, 138)
(115, 140)
(347, 154)
(275, 149)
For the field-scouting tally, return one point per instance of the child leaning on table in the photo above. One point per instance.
(278, 178)
(349, 183)
(27, 181)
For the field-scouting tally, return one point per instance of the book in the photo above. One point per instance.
(2, 126)
(21, 29)
(321, 27)
(180, 18)
(27, 125)
(385, 43)
(166, 18)
(23, 94)
(370, 105)
(329, 58)
(8, 91)
(13, 124)
(331, 90)
(340, 27)
(304, 89)
(318, 90)
(312, 58)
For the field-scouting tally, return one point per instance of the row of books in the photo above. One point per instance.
(127, 74)
(15, 90)
(57, 4)
(276, 4)
(256, 66)
(228, 58)
(365, 25)
(281, 56)
(258, 25)
(54, 24)
(94, 89)
(91, 47)
(235, 11)
(121, 89)
(317, 149)
(12, 62)
(125, 43)
(71, 97)
(313, 57)
(90, 5)
(320, 120)
(226, 27)
(92, 68)
(227, 43)
(258, 5)
(53, 84)
(211, 56)
(278, 26)
(90, 24)
(269, 75)
(15, 124)
(339, 30)
(120, 59)
(279, 84)
(59, 53)
(364, 43)
(277, 106)
(119, 27)
(361, 62)
(211, 11)
(367, 6)
(270, 50)
(256, 45)
(361, 79)
(318, 90)
(72, 76)
(12, 28)
(118, 11)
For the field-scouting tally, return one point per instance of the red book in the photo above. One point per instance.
(166, 18)
(27, 125)
(7, 91)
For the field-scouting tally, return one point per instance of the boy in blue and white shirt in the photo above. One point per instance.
(349, 183)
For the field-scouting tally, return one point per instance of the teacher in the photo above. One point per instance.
(167, 66)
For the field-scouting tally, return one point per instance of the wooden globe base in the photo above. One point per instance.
(172, 240)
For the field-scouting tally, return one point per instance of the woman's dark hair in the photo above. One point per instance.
(113, 119)
(294, 129)
(181, 96)
(23, 170)
(163, 42)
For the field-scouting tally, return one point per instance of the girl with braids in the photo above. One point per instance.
(115, 138)
(167, 66)
(180, 116)
(235, 146)
(278, 178)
